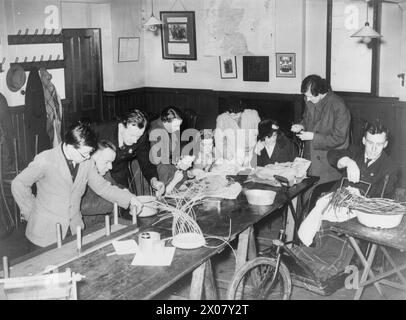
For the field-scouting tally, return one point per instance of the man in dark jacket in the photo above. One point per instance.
(369, 163)
(129, 136)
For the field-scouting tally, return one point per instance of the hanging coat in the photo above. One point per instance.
(35, 115)
(6, 133)
(53, 108)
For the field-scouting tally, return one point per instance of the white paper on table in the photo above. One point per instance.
(164, 259)
(125, 247)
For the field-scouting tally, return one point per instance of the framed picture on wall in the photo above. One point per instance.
(228, 67)
(178, 35)
(286, 65)
(179, 67)
(128, 49)
(255, 68)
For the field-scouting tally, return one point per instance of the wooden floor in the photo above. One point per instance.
(223, 265)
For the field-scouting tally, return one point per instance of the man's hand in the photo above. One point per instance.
(158, 186)
(353, 172)
(305, 135)
(178, 176)
(134, 202)
(296, 128)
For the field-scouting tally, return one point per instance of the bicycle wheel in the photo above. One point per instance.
(253, 281)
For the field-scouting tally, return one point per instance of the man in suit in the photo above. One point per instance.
(61, 175)
(369, 163)
(129, 136)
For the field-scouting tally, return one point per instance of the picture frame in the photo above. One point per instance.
(228, 67)
(128, 49)
(180, 67)
(178, 35)
(286, 65)
(255, 68)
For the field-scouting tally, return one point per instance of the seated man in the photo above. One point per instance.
(369, 164)
(332, 253)
(94, 207)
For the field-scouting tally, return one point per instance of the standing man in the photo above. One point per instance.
(61, 175)
(129, 136)
(325, 126)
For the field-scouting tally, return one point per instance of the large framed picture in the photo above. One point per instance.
(228, 67)
(178, 35)
(286, 65)
(128, 49)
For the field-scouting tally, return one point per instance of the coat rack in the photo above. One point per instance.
(20, 38)
(47, 64)
(25, 38)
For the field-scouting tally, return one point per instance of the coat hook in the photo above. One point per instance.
(50, 57)
(26, 32)
(52, 31)
(4, 60)
(16, 60)
(44, 31)
(19, 32)
(57, 58)
(42, 57)
(25, 59)
(36, 31)
(34, 58)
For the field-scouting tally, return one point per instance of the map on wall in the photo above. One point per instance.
(238, 27)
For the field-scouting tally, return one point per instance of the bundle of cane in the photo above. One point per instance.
(186, 233)
(382, 206)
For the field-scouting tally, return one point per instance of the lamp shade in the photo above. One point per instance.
(366, 32)
(152, 21)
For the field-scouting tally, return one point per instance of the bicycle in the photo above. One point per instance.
(267, 276)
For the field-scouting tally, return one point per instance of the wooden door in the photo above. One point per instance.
(83, 74)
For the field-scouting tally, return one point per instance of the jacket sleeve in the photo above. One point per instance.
(106, 190)
(338, 134)
(148, 169)
(93, 204)
(21, 185)
(333, 156)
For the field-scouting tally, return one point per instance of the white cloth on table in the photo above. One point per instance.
(321, 211)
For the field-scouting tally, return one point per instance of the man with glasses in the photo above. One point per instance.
(369, 163)
(61, 175)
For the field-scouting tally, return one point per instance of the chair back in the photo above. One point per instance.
(190, 117)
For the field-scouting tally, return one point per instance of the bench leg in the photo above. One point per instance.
(203, 282)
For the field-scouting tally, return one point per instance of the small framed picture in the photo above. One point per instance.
(179, 67)
(286, 65)
(128, 49)
(228, 67)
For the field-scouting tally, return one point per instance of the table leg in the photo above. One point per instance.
(242, 249)
(210, 287)
(367, 268)
(203, 281)
(196, 288)
(395, 268)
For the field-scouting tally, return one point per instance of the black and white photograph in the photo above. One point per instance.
(228, 67)
(286, 65)
(177, 32)
(179, 66)
(197, 152)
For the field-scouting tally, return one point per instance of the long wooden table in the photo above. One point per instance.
(113, 277)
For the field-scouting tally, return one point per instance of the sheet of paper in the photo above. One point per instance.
(164, 259)
(125, 246)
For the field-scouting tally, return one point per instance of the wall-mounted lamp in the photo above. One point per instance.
(153, 22)
(366, 32)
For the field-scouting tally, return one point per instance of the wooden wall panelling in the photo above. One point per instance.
(17, 118)
(119, 102)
